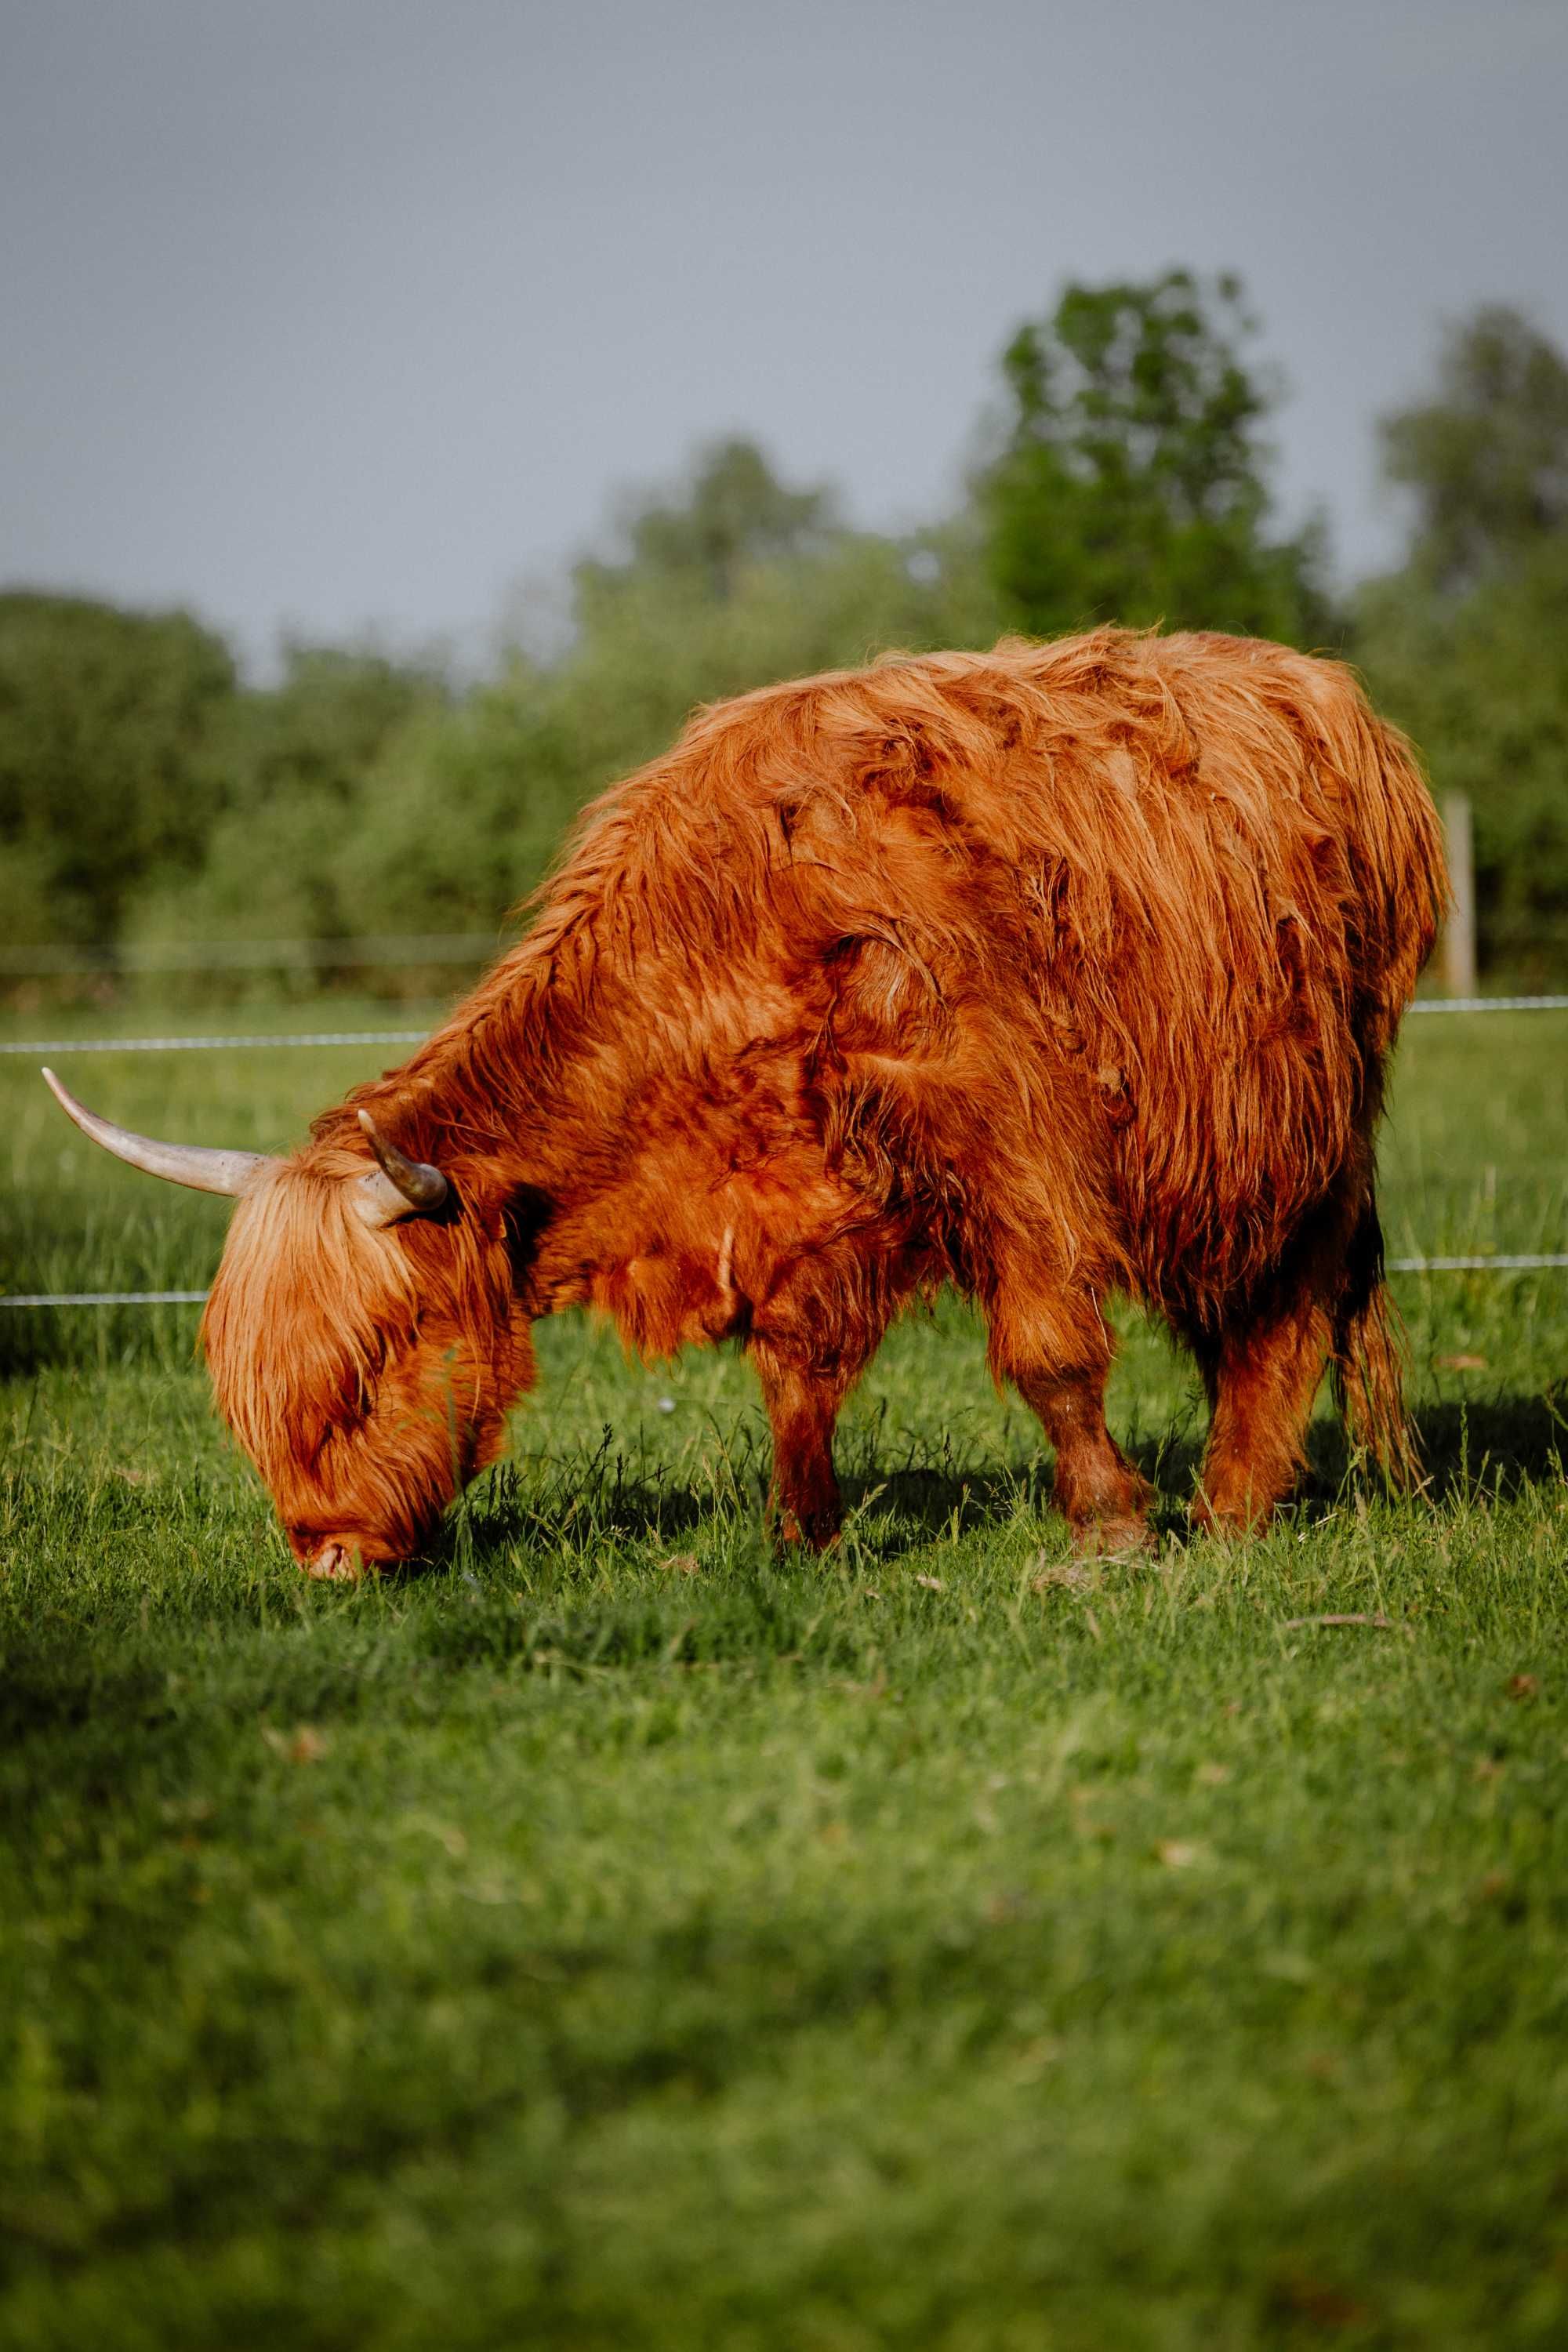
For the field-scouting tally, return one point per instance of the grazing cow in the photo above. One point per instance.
(1050, 972)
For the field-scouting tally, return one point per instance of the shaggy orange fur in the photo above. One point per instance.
(1050, 972)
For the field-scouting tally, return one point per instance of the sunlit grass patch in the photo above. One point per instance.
(617, 1933)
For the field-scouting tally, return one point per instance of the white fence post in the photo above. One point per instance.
(1459, 930)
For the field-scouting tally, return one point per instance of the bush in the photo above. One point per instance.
(1481, 683)
(109, 765)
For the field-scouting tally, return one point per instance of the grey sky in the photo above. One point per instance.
(353, 313)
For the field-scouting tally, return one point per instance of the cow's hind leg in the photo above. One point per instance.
(1097, 1491)
(1366, 1366)
(1261, 1378)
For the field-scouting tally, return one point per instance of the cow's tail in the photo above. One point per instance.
(1368, 1363)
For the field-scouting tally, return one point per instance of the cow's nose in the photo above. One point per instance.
(336, 1561)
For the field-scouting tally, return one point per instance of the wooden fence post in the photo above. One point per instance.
(1459, 930)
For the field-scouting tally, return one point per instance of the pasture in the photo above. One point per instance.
(619, 1936)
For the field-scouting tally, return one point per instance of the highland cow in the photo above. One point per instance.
(1054, 973)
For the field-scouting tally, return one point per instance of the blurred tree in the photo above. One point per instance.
(323, 726)
(364, 797)
(296, 760)
(740, 581)
(732, 511)
(1463, 644)
(468, 808)
(1485, 464)
(1132, 482)
(108, 765)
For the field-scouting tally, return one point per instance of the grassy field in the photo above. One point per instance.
(619, 1936)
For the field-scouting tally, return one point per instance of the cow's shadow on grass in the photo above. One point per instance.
(566, 1507)
(1486, 1449)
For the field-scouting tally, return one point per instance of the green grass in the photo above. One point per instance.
(620, 1936)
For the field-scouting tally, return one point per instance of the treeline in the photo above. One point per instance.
(149, 795)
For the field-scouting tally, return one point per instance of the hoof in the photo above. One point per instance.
(1119, 1538)
(1229, 1522)
(790, 1539)
(805, 1530)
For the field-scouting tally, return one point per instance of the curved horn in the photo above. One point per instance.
(401, 1187)
(180, 1163)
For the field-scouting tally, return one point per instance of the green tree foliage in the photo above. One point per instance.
(1485, 461)
(467, 811)
(356, 794)
(318, 729)
(296, 759)
(732, 514)
(142, 786)
(735, 582)
(1131, 484)
(1464, 644)
(108, 772)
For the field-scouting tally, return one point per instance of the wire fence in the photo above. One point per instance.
(1486, 1004)
(234, 1039)
(1518, 1261)
(105, 1298)
(390, 951)
(215, 1044)
(1523, 1263)
(385, 949)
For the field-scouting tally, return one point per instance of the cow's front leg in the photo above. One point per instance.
(826, 1305)
(802, 1402)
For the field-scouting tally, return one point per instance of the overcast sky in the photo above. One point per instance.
(349, 315)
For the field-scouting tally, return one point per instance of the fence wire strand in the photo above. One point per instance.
(105, 1298)
(215, 1044)
(1488, 1004)
(1526, 1262)
(312, 1037)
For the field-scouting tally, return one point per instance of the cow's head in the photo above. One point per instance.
(363, 1332)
